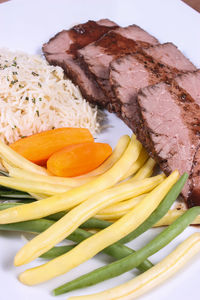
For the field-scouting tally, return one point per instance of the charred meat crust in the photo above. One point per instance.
(62, 50)
(97, 56)
(78, 37)
(75, 71)
(161, 146)
(146, 67)
(100, 56)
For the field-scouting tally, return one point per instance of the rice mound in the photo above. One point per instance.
(35, 96)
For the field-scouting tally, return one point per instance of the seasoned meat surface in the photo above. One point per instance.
(170, 128)
(62, 49)
(147, 67)
(153, 87)
(97, 56)
(79, 36)
(171, 56)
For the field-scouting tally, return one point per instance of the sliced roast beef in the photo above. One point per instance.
(191, 84)
(170, 128)
(131, 72)
(194, 195)
(62, 49)
(97, 56)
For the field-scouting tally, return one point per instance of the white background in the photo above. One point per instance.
(26, 25)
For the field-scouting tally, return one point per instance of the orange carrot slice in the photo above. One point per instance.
(75, 160)
(39, 147)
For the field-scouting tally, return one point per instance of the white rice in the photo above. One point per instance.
(35, 96)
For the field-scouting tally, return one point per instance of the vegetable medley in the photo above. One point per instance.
(64, 184)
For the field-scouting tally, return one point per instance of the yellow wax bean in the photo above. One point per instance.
(39, 196)
(32, 186)
(76, 181)
(75, 196)
(111, 213)
(137, 165)
(73, 219)
(94, 244)
(12, 157)
(122, 206)
(172, 215)
(111, 217)
(112, 159)
(154, 276)
(20, 173)
(146, 170)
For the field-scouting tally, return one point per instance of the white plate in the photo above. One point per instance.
(26, 25)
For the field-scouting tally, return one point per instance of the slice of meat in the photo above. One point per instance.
(191, 83)
(62, 49)
(131, 72)
(194, 196)
(171, 56)
(79, 76)
(170, 127)
(97, 56)
(79, 36)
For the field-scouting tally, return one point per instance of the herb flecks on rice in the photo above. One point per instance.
(35, 97)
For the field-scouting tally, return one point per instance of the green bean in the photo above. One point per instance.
(117, 250)
(57, 251)
(159, 212)
(132, 261)
(36, 226)
(96, 223)
(9, 205)
(4, 173)
(14, 194)
(57, 216)
(91, 223)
